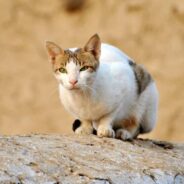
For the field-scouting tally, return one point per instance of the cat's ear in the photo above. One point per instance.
(94, 46)
(53, 50)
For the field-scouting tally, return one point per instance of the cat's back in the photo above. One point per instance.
(115, 75)
(110, 53)
(114, 63)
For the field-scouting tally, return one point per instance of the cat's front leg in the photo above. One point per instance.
(85, 128)
(105, 128)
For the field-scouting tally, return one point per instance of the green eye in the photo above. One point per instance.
(84, 68)
(62, 70)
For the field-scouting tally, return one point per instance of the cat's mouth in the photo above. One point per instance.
(73, 88)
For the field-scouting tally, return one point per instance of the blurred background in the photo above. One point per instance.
(151, 32)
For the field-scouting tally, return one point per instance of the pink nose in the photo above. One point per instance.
(73, 82)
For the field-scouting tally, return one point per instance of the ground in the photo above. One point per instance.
(151, 32)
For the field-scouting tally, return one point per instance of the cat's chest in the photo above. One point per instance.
(83, 106)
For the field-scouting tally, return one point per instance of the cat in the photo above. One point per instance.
(105, 89)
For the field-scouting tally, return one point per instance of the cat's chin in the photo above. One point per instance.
(72, 88)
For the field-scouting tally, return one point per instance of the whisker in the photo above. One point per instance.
(92, 89)
(84, 92)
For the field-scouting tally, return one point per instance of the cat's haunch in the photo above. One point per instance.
(104, 90)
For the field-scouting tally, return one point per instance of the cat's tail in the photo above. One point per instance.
(149, 103)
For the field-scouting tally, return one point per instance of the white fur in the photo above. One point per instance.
(108, 96)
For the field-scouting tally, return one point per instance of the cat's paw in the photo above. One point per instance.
(105, 132)
(84, 130)
(123, 134)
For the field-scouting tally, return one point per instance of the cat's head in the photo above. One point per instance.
(75, 68)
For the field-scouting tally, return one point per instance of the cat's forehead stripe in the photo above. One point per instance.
(74, 55)
(77, 56)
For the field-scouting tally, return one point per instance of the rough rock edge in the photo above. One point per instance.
(55, 159)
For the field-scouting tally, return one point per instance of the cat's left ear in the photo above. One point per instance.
(94, 46)
(53, 50)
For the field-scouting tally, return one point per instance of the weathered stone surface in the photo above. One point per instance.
(72, 159)
(149, 31)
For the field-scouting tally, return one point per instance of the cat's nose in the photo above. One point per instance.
(73, 82)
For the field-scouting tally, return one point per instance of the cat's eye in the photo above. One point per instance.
(62, 70)
(84, 68)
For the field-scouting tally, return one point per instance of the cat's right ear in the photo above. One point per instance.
(94, 46)
(53, 50)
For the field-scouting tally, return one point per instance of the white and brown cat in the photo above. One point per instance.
(105, 89)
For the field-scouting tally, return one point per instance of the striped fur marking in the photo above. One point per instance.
(79, 57)
(143, 78)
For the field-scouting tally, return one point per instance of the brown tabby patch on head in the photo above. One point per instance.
(79, 56)
(87, 56)
(143, 78)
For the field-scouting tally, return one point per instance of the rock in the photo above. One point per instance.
(54, 159)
